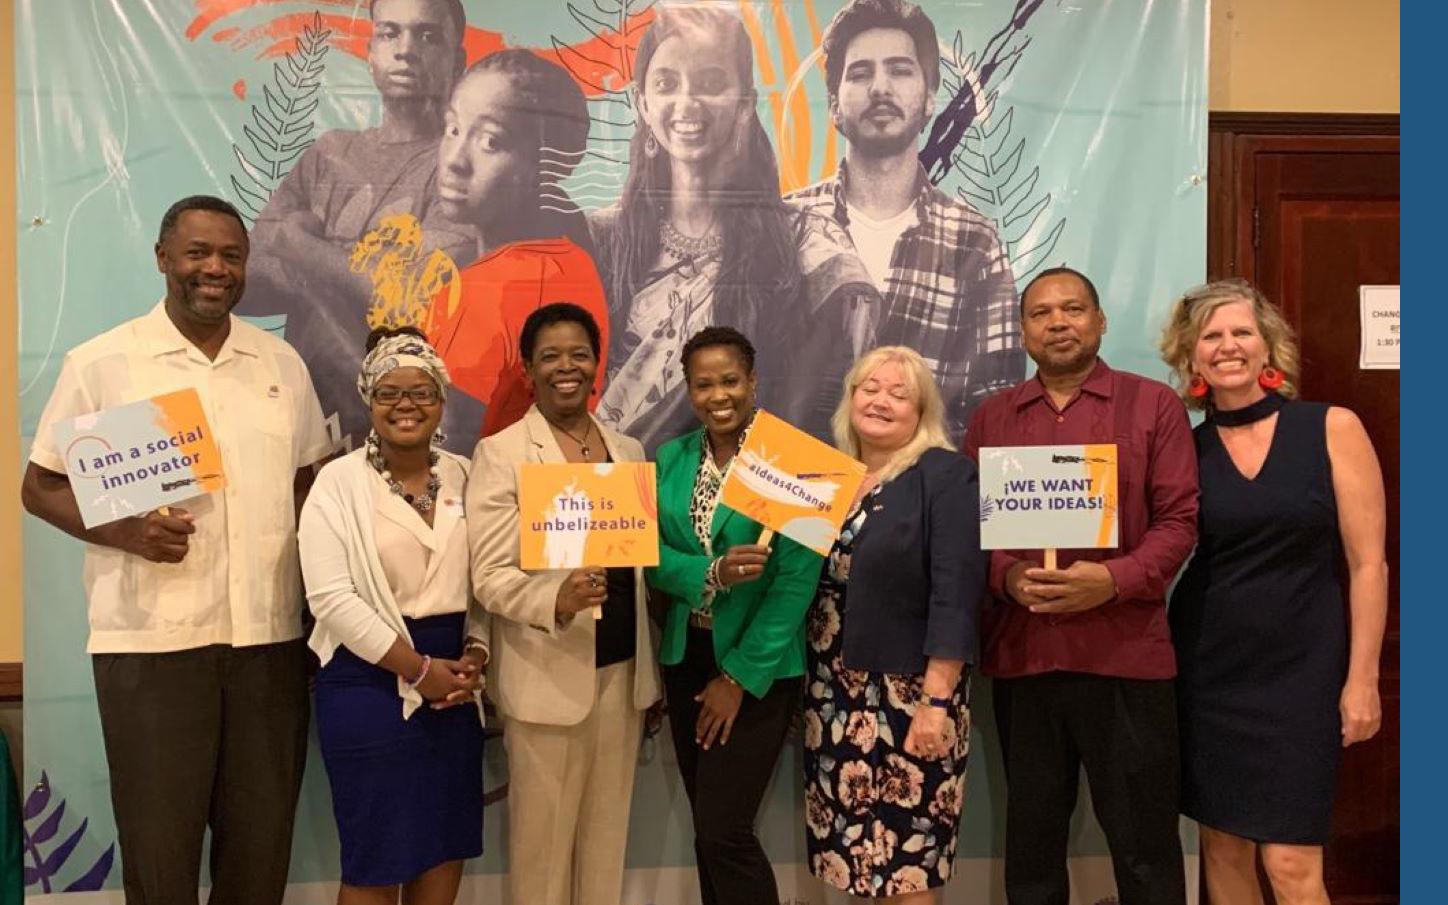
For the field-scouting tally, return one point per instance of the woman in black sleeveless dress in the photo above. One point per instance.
(1271, 681)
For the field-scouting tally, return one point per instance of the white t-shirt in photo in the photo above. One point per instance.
(875, 240)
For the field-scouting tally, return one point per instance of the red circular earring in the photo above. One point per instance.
(1198, 387)
(1271, 378)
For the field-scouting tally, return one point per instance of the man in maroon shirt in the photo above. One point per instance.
(1081, 655)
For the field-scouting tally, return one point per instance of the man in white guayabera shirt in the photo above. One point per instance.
(948, 288)
(195, 611)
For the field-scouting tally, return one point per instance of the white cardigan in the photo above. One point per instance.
(347, 589)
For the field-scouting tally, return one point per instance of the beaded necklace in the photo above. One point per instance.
(423, 502)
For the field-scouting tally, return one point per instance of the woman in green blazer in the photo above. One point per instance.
(733, 645)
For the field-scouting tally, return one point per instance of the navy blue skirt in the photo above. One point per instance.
(408, 794)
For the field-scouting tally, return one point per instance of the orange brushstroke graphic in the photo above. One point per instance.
(591, 62)
(790, 116)
(793, 153)
(816, 38)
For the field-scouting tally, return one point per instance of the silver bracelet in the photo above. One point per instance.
(421, 673)
(711, 577)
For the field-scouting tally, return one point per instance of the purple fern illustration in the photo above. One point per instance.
(44, 868)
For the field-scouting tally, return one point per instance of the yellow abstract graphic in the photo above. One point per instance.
(405, 275)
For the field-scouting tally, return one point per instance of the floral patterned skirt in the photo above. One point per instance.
(879, 822)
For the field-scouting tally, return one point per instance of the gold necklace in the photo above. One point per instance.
(582, 444)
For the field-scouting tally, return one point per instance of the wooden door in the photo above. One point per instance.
(1314, 216)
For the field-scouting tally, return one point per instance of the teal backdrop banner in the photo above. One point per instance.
(1061, 132)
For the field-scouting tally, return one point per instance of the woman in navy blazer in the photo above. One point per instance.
(892, 633)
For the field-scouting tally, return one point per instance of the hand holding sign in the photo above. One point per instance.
(583, 588)
(742, 563)
(161, 535)
(1082, 586)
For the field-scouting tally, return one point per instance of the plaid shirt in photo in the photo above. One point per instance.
(950, 295)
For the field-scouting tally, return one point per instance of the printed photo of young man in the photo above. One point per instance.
(344, 186)
(947, 284)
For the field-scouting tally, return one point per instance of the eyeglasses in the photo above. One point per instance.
(423, 395)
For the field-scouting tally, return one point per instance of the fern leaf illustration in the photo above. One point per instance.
(48, 827)
(44, 867)
(250, 170)
(1030, 258)
(599, 28)
(614, 28)
(987, 507)
(51, 865)
(989, 160)
(93, 879)
(281, 122)
(250, 199)
(1021, 212)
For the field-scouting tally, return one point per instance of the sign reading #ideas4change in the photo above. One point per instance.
(133, 458)
(792, 483)
(1048, 497)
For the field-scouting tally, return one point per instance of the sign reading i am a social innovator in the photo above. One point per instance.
(133, 458)
(1048, 497)
(579, 514)
(789, 482)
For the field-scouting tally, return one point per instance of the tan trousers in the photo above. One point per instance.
(569, 790)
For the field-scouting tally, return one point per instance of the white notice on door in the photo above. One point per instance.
(1382, 328)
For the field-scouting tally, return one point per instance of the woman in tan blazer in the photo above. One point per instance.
(571, 689)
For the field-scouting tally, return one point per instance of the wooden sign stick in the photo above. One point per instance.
(765, 537)
(1051, 559)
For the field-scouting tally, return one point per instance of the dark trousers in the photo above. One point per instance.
(726, 783)
(215, 736)
(1124, 733)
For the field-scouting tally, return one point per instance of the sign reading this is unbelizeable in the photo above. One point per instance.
(579, 514)
(133, 458)
(1048, 497)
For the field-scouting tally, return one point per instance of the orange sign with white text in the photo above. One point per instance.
(792, 483)
(575, 515)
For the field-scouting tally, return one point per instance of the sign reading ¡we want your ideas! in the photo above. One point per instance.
(133, 458)
(792, 483)
(575, 515)
(1048, 497)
